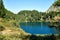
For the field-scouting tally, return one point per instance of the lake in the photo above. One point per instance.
(37, 28)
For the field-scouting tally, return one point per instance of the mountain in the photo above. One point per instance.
(30, 15)
(55, 7)
(10, 23)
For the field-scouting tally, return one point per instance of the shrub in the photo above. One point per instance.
(1, 28)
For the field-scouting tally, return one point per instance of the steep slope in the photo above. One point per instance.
(2, 13)
(9, 27)
(55, 7)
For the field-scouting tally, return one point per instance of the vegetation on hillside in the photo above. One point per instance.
(30, 16)
(57, 3)
(9, 22)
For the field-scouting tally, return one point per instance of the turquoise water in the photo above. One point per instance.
(37, 28)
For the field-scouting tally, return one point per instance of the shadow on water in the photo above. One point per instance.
(34, 37)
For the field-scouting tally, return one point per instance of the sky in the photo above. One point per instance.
(17, 5)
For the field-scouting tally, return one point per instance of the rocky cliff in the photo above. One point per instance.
(55, 7)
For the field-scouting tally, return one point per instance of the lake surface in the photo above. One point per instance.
(37, 28)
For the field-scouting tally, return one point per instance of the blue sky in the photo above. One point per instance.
(18, 5)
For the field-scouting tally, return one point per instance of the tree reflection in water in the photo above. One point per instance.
(34, 37)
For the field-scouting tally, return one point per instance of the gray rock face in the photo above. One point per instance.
(54, 9)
